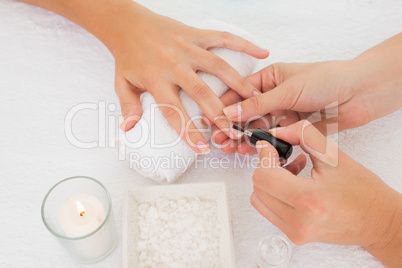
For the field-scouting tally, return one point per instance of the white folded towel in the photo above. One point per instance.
(140, 145)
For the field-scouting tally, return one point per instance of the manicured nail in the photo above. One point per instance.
(203, 147)
(129, 120)
(206, 122)
(124, 123)
(273, 131)
(236, 132)
(256, 93)
(233, 111)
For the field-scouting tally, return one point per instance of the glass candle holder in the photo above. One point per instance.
(78, 212)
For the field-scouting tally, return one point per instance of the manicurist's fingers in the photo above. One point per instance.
(311, 140)
(283, 210)
(265, 211)
(263, 80)
(224, 39)
(279, 98)
(129, 97)
(170, 105)
(272, 178)
(297, 165)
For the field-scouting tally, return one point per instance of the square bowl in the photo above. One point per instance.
(215, 192)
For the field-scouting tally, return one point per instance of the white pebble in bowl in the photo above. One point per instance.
(173, 232)
(185, 225)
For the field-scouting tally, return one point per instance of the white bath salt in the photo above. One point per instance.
(178, 233)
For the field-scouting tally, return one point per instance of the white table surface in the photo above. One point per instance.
(48, 65)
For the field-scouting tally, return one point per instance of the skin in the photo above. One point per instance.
(161, 61)
(354, 93)
(343, 202)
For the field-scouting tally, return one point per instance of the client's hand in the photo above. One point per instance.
(160, 55)
(342, 203)
(347, 93)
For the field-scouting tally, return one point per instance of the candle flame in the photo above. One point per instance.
(80, 208)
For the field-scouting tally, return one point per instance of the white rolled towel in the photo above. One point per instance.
(153, 147)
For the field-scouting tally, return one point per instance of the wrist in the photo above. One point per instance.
(103, 18)
(386, 240)
(109, 19)
(377, 78)
(112, 23)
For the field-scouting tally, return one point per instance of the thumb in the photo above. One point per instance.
(283, 97)
(269, 157)
(129, 97)
(311, 140)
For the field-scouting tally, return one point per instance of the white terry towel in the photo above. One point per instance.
(141, 146)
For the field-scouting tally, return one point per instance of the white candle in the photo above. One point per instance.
(81, 215)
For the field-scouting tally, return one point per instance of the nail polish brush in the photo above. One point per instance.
(284, 148)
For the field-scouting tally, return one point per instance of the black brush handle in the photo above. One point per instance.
(284, 148)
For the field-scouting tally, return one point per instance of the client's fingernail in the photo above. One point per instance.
(129, 122)
(203, 147)
(265, 50)
(233, 111)
(236, 132)
(206, 122)
(124, 123)
(273, 131)
(256, 93)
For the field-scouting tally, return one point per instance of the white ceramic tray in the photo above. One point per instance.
(204, 191)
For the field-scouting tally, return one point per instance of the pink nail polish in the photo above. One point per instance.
(123, 124)
(275, 130)
(233, 111)
(256, 93)
(203, 148)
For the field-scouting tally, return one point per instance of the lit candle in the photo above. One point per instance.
(78, 212)
(81, 215)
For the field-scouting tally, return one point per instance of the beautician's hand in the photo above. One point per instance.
(160, 55)
(342, 203)
(348, 93)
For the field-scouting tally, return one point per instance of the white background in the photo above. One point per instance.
(48, 65)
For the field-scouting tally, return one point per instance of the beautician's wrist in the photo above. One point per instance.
(386, 243)
(377, 82)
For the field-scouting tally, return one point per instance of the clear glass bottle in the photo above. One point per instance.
(274, 251)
